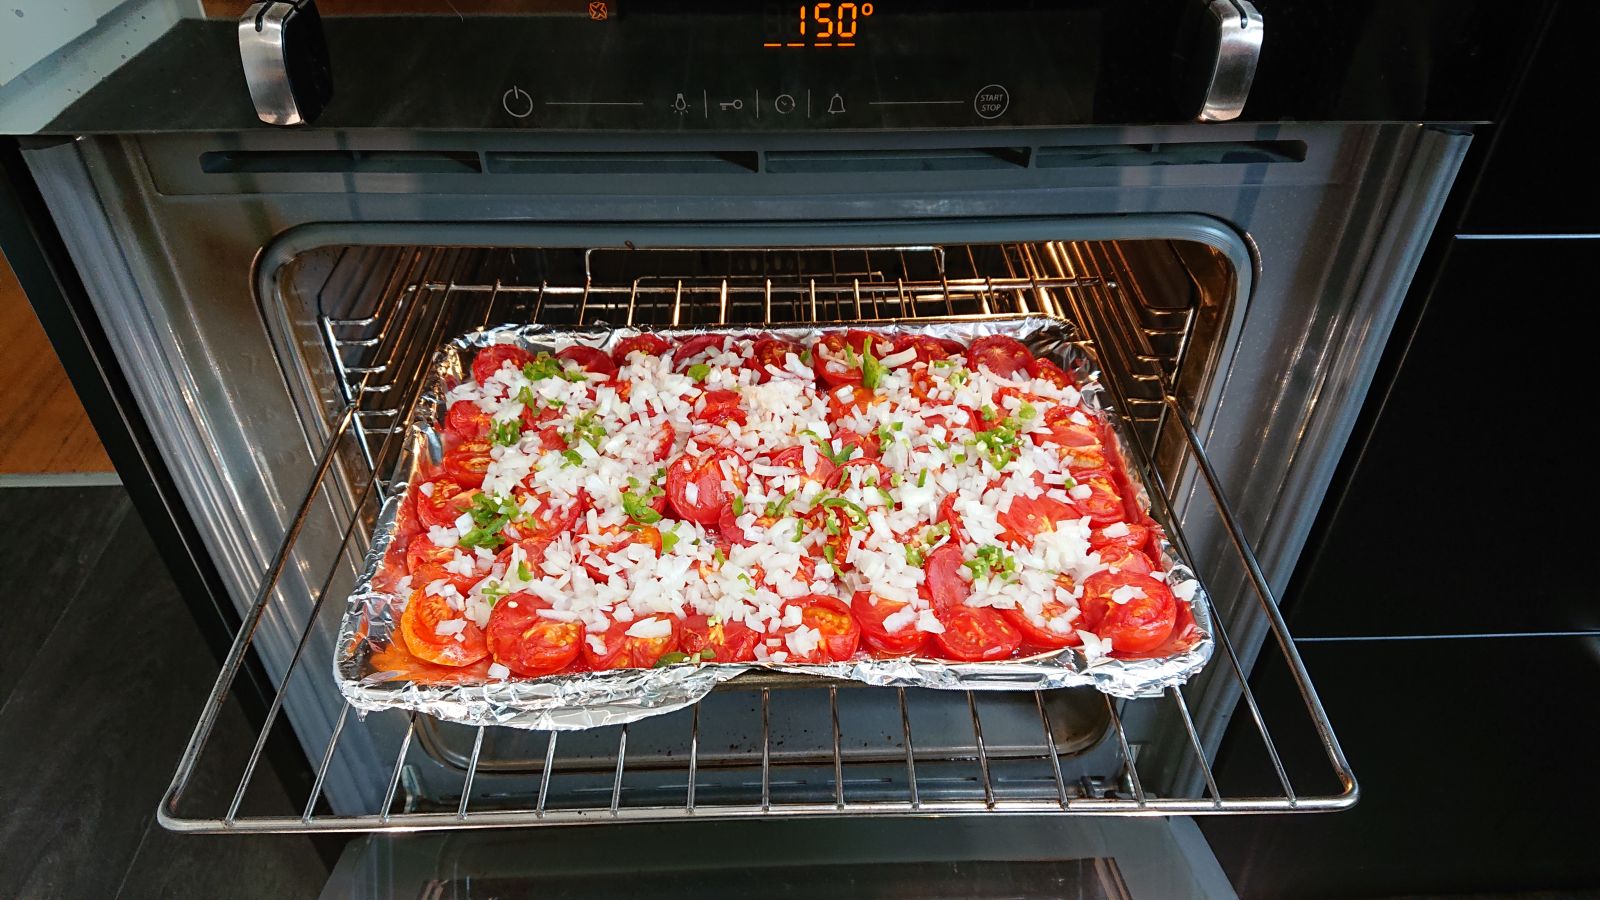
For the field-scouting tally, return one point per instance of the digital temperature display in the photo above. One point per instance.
(820, 25)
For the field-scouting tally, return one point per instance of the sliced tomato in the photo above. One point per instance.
(466, 420)
(1079, 443)
(422, 551)
(719, 408)
(828, 360)
(928, 348)
(691, 348)
(772, 352)
(664, 439)
(1137, 536)
(728, 525)
(1004, 356)
(860, 472)
(1043, 637)
(1141, 623)
(419, 628)
(493, 358)
(429, 572)
(942, 577)
(1125, 557)
(870, 446)
(795, 458)
(533, 550)
(548, 521)
(467, 462)
(727, 641)
(1046, 370)
(648, 344)
(1104, 505)
(849, 399)
(870, 610)
(832, 619)
(947, 513)
(449, 499)
(1028, 517)
(624, 651)
(591, 359)
(396, 662)
(706, 473)
(529, 644)
(974, 635)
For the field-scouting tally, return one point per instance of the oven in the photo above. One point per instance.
(262, 304)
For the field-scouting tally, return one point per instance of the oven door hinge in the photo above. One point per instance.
(285, 61)
(1219, 43)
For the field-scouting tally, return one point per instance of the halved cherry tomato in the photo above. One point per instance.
(829, 361)
(942, 577)
(590, 359)
(1043, 637)
(1137, 536)
(870, 446)
(1141, 623)
(664, 441)
(533, 550)
(418, 626)
(494, 357)
(849, 399)
(529, 644)
(648, 344)
(870, 611)
(1104, 505)
(772, 352)
(1001, 355)
(928, 348)
(429, 572)
(705, 472)
(720, 407)
(795, 458)
(1049, 371)
(623, 651)
(973, 635)
(467, 421)
(422, 551)
(1125, 557)
(547, 522)
(396, 662)
(1079, 443)
(1027, 517)
(728, 525)
(450, 498)
(691, 348)
(728, 641)
(467, 462)
(832, 619)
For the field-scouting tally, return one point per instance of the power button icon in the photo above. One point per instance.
(517, 102)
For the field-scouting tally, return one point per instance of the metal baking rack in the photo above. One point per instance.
(742, 752)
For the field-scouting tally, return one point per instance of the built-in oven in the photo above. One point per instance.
(262, 303)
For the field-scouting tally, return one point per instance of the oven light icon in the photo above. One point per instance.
(680, 105)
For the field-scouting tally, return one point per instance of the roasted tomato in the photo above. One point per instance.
(429, 572)
(772, 352)
(467, 462)
(532, 551)
(1078, 441)
(943, 581)
(1136, 536)
(719, 408)
(1049, 371)
(795, 458)
(1001, 355)
(1124, 557)
(459, 645)
(692, 348)
(844, 438)
(1028, 517)
(1042, 637)
(1141, 622)
(530, 644)
(622, 650)
(590, 359)
(648, 344)
(493, 358)
(467, 421)
(833, 621)
(694, 484)
(728, 525)
(974, 635)
(830, 356)
(421, 552)
(849, 399)
(928, 348)
(861, 472)
(726, 641)
(547, 520)
(448, 500)
(948, 514)
(870, 610)
(1103, 506)
(396, 662)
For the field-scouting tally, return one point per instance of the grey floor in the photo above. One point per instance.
(102, 672)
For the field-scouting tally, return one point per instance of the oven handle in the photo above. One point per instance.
(1219, 44)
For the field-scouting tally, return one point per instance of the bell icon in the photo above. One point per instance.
(835, 105)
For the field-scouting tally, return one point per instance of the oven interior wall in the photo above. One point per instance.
(169, 232)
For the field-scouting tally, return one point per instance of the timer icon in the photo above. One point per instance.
(784, 104)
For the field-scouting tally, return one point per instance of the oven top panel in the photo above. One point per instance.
(790, 67)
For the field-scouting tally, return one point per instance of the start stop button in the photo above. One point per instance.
(991, 101)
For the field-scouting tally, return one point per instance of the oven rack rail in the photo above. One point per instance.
(1078, 282)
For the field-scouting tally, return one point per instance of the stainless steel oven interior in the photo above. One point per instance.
(276, 318)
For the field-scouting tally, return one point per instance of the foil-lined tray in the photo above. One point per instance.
(593, 699)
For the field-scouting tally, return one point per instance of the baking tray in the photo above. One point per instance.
(595, 699)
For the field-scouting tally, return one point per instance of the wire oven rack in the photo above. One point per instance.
(875, 751)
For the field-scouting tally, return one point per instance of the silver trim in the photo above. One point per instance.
(266, 69)
(1240, 30)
